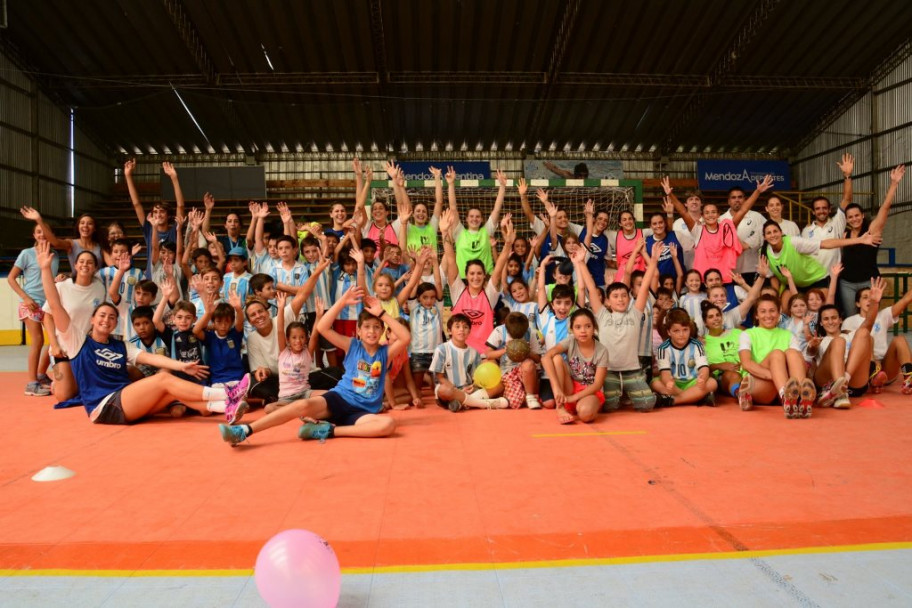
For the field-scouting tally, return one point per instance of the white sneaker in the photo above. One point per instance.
(532, 402)
(498, 404)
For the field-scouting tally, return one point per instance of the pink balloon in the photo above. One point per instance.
(297, 568)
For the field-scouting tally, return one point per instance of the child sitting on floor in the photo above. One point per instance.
(683, 368)
(453, 365)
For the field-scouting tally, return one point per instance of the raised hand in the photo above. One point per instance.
(137, 247)
(435, 172)
(208, 201)
(357, 255)
(235, 300)
(356, 166)
(589, 208)
(450, 175)
(765, 184)
(405, 211)
(352, 296)
(501, 178)
(578, 256)
(877, 289)
(506, 218)
(522, 187)
(125, 262)
(167, 287)
(284, 213)
(44, 254)
(281, 298)
(369, 175)
(262, 211)
(373, 306)
(400, 177)
(836, 270)
(667, 206)
(391, 169)
(169, 169)
(195, 218)
(319, 306)
(196, 283)
(666, 185)
(785, 272)
(763, 266)
(545, 220)
(129, 166)
(847, 165)
(542, 195)
(210, 237)
(30, 213)
(447, 221)
(897, 173)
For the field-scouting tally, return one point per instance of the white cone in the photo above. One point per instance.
(55, 473)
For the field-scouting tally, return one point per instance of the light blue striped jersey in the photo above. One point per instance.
(645, 340)
(293, 276)
(457, 364)
(683, 363)
(261, 263)
(234, 284)
(426, 328)
(530, 309)
(341, 283)
(321, 289)
(160, 345)
(691, 304)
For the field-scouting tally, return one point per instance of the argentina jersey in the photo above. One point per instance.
(293, 276)
(457, 364)
(426, 329)
(530, 309)
(158, 346)
(321, 289)
(342, 282)
(234, 284)
(683, 363)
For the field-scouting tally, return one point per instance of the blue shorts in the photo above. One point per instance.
(342, 413)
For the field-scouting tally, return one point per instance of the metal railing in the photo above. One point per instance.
(796, 206)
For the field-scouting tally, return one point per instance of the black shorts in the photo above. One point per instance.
(823, 283)
(341, 413)
(111, 410)
(544, 390)
(310, 319)
(421, 362)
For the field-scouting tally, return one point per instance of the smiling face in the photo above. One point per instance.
(296, 339)
(767, 314)
(713, 319)
(259, 317)
(521, 247)
(474, 219)
(212, 282)
(694, 205)
(774, 208)
(798, 308)
(561, 220)
(86, 267)
(710, 215)
(773, 235)
(159, 216)
(311, 253)
(712, 279)
(692, 282)
(854, 218)
(338, 214)
(831, 322)
(657, 224)
(519, 292)
(814, 301)
(718, 296)
(379, 213)
(628, 222)
(513, 268)
(383, 287)
(115, 232)
(85, 227)
(618, 300)
(821, 210)
(103, 322)
(459, 332)
(420, 214)
(183, 320)
(735, 200)
(601, 222)
(475, 277)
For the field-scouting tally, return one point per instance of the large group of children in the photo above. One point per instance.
(335, 322)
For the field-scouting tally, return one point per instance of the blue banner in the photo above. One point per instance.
(464, 170)
(725, 174)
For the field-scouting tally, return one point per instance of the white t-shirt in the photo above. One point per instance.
(880, 332)
(833, 229)
(789, 228)
(80, 301)
(263, 351)
(686, 239)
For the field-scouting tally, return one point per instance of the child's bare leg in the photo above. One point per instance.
(729, 380)
(315, 408)
(588, 408)
(858, 366)
(371, 425)
(795, 364)
(659, 387)
(411, 385)
(897, 354)
(36, 338)
(529, 375)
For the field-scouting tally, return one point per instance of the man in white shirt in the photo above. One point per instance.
(829, 225)
(694, 203)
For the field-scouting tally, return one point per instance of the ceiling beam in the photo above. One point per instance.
(724, 67)
(378, 45)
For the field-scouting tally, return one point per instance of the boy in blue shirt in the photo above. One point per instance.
(223, 346)
(352, 408)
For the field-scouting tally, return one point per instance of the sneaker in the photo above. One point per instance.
(745, 399)
(709, 399)
(532, 402)
(831, 392)
(501, 403)
(842, 402)
(234, 415)
(878, 378)
(234, 395)
(455, 406)
(664, 400)
(790, 398)
(906, 388)
(177, 409)
(45, 380)
(807, 396)
(322, 430)
(35, 389)
(233, 434)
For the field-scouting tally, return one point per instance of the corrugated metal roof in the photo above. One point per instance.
(690, 75)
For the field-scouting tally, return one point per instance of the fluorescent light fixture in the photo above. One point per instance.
(190, 114)
(266, 55)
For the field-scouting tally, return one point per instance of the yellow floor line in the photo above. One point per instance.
(567, 563)
(593, 434)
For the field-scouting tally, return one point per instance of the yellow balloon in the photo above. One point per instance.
(487, 375)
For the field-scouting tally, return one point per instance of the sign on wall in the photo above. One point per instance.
(415, 170)
(573, 169)
(725, 174)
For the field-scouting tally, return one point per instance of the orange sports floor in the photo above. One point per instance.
(475, 488)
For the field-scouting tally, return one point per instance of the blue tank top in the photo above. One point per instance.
(100, 369)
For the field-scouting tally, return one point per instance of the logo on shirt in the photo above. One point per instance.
(109, 358)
